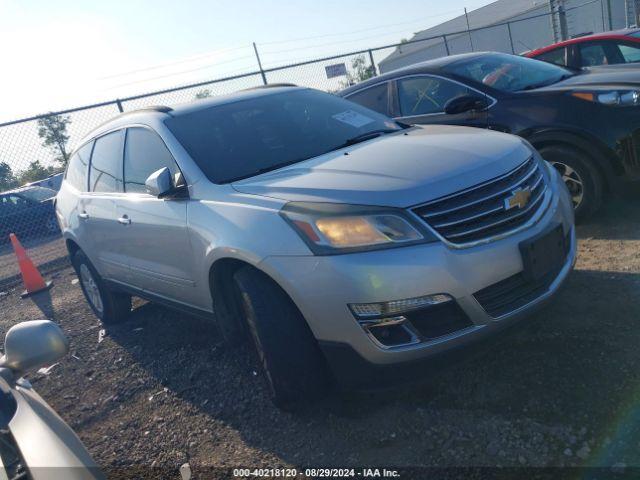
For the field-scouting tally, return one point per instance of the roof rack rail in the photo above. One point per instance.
(155, 108)
(271, 85)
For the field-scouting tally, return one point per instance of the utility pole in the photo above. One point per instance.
(264, 77)
(609, 14)
(562, 17)
(466, 15)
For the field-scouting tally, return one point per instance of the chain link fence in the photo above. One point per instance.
(34, 151)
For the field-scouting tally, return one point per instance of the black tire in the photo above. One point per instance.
(580, 175)
(287, 350)
(113, 307)
(227, 311)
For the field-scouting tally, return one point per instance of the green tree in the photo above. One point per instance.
(204, 93)
(7, 179)
(53, 132)
(360, 71)
(36, 171)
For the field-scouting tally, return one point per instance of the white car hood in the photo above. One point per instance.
(396, 170)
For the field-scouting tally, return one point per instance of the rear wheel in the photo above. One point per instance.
(580, 175)
(109, 306)
(286, 348)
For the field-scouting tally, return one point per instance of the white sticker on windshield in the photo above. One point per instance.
(352, 118)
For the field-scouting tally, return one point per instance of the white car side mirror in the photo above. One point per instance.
(31, 345)
(159, 183)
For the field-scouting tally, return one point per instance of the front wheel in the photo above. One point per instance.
(580, 175)
(109, 306)
(286, 348)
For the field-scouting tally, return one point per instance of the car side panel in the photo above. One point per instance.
(48, 445)
(157, 246)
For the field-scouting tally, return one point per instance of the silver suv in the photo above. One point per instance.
(344, 245)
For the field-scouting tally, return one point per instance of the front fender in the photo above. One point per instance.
(606, 160)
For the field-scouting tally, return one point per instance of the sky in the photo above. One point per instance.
(62, 54)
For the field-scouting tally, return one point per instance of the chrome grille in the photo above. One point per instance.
(479, 212)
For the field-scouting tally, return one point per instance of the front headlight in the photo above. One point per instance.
(331, 228)
(620, 98)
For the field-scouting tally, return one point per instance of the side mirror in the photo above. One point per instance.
(466, 103)
(159, 183)
(31, 345)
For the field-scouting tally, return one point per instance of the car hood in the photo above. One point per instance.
(605, 76)
(398, 170)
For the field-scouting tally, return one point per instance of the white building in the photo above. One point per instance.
(514, 26)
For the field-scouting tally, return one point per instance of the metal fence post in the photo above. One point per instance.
(562, 16)
(264, 77)
(373, 64)
(513, 50)
(446, 44)
(466, 15)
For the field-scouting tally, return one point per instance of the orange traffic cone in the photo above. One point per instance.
(33, 281)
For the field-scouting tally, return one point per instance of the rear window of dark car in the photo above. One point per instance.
(37, 194)
(247, 137)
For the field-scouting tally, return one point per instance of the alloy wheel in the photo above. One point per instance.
(91, 288)
(572, 180)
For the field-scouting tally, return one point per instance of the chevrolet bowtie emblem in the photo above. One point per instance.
(518, 198)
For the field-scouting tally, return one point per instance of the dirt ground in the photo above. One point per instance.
(561, 389)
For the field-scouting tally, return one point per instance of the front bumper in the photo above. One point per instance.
(323, 286)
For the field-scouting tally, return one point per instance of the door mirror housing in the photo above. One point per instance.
(159, 183)
(32, 345)
(466, 103)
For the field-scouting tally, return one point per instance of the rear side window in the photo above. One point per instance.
(557, 56)
(375, 98)
(144, 153)
(105, 174)
(593, 54)
(78, 167)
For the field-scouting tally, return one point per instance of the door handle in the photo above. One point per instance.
(83, 215)
(124, 220)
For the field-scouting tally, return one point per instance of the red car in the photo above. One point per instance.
(607, 48)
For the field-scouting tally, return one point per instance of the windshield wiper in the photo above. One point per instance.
(363, 137)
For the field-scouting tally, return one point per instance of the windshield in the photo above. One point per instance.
(38, 194)
(251, 136)
(508, 73)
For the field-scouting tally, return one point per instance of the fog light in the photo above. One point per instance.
(390, 332)
(371, 310)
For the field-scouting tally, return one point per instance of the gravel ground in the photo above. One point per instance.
(561, 389)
